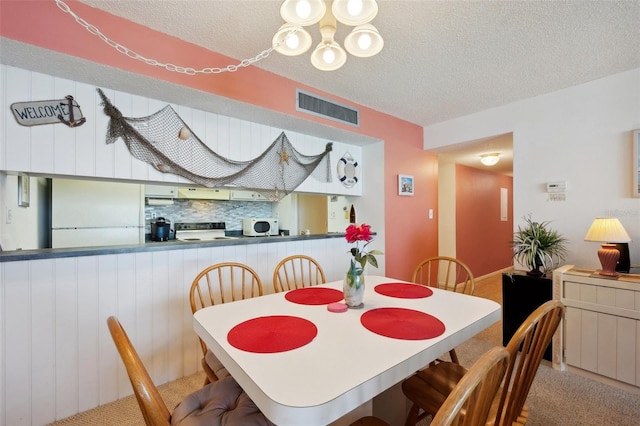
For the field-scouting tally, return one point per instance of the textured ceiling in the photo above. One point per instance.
(441, 60)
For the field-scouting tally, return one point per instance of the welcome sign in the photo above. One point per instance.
(65, 111)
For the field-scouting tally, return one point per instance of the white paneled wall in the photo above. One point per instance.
(59, 358)
(82, 151)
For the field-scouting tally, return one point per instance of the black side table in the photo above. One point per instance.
(521, 295)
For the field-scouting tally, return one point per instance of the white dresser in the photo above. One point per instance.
(601, 330)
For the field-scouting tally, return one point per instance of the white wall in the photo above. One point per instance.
(368, 207)
(446, 208)
(339, 208)
(581, 135)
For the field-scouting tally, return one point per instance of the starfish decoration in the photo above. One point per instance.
(274, 196)
(284, 156)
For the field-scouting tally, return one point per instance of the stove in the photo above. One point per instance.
(201, 231)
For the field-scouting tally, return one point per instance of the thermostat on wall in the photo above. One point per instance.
(556, 186)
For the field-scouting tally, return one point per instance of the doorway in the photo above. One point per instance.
(312, 213)
(469, 195)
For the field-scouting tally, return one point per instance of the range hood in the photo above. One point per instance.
(203, 193)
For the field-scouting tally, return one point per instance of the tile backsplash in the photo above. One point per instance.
(230, 212)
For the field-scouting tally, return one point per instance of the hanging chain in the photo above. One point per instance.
(169, 67)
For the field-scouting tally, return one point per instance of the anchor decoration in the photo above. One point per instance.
(71, 122)
(65, 111)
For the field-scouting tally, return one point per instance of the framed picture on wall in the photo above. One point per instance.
(636, 163)
(405, 185)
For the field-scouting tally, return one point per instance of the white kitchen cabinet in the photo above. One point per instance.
(203, 194)
(602, 323)
(160, 191)
(243, 195)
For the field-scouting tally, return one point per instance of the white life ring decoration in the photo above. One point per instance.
(348, 170)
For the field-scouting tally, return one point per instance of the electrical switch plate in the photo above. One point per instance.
(430, 213)
(9, 216)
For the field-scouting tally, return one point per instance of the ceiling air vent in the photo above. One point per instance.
(327, 109)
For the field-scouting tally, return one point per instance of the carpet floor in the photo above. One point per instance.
(557, 398)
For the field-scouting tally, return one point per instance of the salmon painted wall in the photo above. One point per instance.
(482, 238)
(409, 236)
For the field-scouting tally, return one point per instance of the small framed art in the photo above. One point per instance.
(405, 185)
(636, 163)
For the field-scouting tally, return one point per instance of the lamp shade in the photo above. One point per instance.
(364, 41)
(328, 56)
(291, 40)
(354, 12)
(607, 229)
(303, 12)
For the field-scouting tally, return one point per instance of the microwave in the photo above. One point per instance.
(260, 227)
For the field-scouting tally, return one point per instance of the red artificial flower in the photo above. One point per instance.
(354, 234)
(358, 233)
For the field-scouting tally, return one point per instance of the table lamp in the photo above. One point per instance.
(607, 230)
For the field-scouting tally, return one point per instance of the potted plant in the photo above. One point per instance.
(538, 247)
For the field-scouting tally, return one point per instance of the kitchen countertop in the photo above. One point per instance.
(17, 255)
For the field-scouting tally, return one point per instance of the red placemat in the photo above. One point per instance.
(277, 333)
(401, 323)
(404, 290)
(314, 296)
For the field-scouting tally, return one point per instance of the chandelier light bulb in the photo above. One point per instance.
(302, 12)
(303, 9)
(328, 56)
(354, 12)
(292, 41)
(364, 41)
(354, 7)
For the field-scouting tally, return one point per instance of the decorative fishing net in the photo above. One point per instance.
(168, 144)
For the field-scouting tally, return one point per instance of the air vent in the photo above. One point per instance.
(324, 108)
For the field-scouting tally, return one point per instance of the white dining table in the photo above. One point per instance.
(345, 365)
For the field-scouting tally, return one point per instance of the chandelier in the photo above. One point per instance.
(363, 41)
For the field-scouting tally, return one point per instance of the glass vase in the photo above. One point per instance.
(353, 288)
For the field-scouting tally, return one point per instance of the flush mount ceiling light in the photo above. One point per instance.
(363, 41)
(490, 159)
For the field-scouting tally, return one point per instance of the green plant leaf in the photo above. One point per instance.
(536, 245)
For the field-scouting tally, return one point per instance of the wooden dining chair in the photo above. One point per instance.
(469, 402)
(222, 400)
(297, 271)
(428, 388)
(220, 283)
(446, 273)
